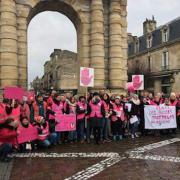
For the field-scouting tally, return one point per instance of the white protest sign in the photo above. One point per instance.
(160, 117)
(86, 77)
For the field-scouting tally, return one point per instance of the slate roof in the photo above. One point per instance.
(174, 33)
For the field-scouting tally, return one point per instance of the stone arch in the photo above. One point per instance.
(101, 32)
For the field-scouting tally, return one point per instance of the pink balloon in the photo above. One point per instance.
(130, 87)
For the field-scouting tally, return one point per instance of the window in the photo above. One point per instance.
(136, 46)
(149, 63)
(149, 41)
(165, 34)
(165, 60)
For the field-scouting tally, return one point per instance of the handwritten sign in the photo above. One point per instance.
(27, 134)
(14, 93)
(160, 117)
(86, 77)
(65, 122)
(138, 82)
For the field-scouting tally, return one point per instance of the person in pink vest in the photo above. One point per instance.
(12, 109)
(71, 109)
(117, 119)
(2, 111)
(45, 138)
(81, 110)
(24, 108)
(96, 114)
(26, 125)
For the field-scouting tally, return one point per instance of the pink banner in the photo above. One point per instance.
(65, 122)
(14, 93)
(27, 134)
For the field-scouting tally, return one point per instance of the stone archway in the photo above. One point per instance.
(101, 32)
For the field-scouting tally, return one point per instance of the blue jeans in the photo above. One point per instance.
(134, 128)
(80, 129)
(5, 149)
(53, 138)
(48, 141)
(105, 128)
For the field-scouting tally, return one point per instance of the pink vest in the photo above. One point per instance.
(82, 106)
(15, 114)
(96, 110)
(120, 113)
(174, 103)
(57, 109)
(2, 113)
(45, 133)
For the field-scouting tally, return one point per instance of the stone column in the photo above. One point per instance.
(22, 13)
(8, 44)
(97, 53)
(116, 63)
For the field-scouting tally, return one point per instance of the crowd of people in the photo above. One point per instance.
(100, 118)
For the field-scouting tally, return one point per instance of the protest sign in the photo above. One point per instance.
(160, 117)
(138, 82)
(86, 77)
(14, 93)
(27, 134)
(65, 122)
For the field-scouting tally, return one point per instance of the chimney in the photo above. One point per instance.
(149, 25)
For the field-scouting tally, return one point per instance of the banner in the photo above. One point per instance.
(14, 93)
(138, 82)
(86, 77)
(65, 122)
(160, 117)
(27, 134)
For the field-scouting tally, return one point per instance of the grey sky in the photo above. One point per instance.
(50, 30)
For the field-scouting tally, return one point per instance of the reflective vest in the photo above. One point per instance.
(15, 114)
(2, 113)
(174, 103)
(45, 132)
(119, 113)
(58, 109)
(82, 106)
(96, 110)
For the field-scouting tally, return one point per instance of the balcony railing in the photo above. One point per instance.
(164, 68)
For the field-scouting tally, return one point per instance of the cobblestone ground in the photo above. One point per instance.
(144, 158)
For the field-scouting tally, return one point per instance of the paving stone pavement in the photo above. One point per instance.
(147, 157)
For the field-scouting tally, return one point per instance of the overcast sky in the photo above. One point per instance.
(50, 30)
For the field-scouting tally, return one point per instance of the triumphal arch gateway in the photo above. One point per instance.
(101, 27)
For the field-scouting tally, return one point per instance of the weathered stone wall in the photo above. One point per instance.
(101, 32)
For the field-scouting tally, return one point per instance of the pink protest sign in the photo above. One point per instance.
(138, 82)
(65, 122)
(130, 87)
(86, 77)
(27, 134)
(14, 93)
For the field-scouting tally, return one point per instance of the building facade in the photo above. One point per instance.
(101, 27)
(156, 54)
(37, 84)
(60, 72)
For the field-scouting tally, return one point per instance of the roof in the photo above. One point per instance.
(174, 33)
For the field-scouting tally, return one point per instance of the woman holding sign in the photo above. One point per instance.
(96, 114)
